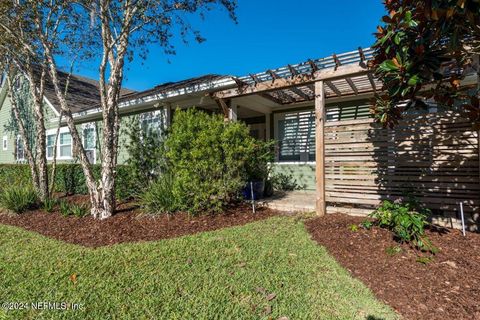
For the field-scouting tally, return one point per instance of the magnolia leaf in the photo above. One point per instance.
(413, 81)
(389, 65)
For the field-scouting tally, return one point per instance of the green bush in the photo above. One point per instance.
(79, 210)
(13, 174)
(64, 208)
(49, 204)
(69, 178)
(284, 182)
(209, 159)
(407, 220)
(146, 154)
(18, 198)
(158, 197)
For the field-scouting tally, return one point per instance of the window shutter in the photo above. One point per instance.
(297, 136)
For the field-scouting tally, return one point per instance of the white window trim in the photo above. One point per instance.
(90, 126)
(54, 132)
(19, 137)
(5, 143)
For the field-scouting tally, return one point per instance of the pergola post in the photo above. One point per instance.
(232, 112)
(267, 126)
(320, 147)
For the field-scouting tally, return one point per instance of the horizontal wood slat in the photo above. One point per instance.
(432, 156)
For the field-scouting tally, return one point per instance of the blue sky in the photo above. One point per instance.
(269, 34)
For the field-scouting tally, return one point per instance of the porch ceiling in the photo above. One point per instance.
(344, 75)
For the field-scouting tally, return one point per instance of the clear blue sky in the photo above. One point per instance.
(269, 34)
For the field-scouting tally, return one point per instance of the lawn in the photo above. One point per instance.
(263, 270)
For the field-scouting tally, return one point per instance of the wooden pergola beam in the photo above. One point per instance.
(352, 85)
(293, 71)
(372, 82)
(223, 105)
(300, 93)
(333, 88)
(293, 89)
(301, 80)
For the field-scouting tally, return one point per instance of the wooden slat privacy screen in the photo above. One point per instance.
(432, 156)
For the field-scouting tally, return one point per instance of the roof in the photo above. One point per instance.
(305, 92)
(193, 83)
(83, 93)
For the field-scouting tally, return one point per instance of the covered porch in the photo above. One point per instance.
(293, 105)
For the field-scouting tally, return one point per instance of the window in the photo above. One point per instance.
(50, 145)
(89, 142)
(20, 150)
(348, 111)
(65, 145)
(5, 143)
(89, 138)
(152, 121)
(295, 133)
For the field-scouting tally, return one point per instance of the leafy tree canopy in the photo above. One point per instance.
(424, 50)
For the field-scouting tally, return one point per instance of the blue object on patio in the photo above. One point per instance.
(258, 189)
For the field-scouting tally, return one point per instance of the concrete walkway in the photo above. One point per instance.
(292, 201)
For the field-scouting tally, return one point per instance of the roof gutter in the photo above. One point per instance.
(143, 103)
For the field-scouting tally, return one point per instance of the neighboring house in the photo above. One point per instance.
(83, 94)
(286, 115)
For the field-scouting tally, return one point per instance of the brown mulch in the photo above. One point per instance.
(446, 288)
(129, 224)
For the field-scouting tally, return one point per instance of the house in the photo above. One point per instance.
(319, 105)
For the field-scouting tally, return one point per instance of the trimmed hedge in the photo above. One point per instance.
(69, 178)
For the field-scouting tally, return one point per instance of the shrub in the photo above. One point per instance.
(284, 182)
(258, 163)
(146, 154)
(158, 198)
(14, 174)
(49, 204)
(79, 210)
(18, 198)
(407, 220)
(209, 160)
(64, 208)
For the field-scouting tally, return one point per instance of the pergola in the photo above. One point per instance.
(335, 76)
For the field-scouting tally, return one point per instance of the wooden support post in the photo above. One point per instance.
(232, 112)
(267, 127)
(168, 114)
(320, 147)
(224, 107)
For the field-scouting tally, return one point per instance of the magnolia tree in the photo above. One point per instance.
(116, 32)
(423, 51)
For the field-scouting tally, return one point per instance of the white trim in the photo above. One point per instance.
(85, 126)
(5, 143)
(213, 86)
(51, 106)
(51, 132)
(19, 138)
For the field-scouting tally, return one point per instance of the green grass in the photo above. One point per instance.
(213, 275)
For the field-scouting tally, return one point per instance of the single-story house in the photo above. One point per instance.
(318, 105)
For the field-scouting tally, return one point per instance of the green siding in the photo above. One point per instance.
(6, 156)
(303, 173)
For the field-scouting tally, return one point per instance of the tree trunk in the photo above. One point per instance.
(36, 91)
(24, 136)
(94, 190)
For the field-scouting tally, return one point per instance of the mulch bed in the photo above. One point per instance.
(129, 224)
(446, 288)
